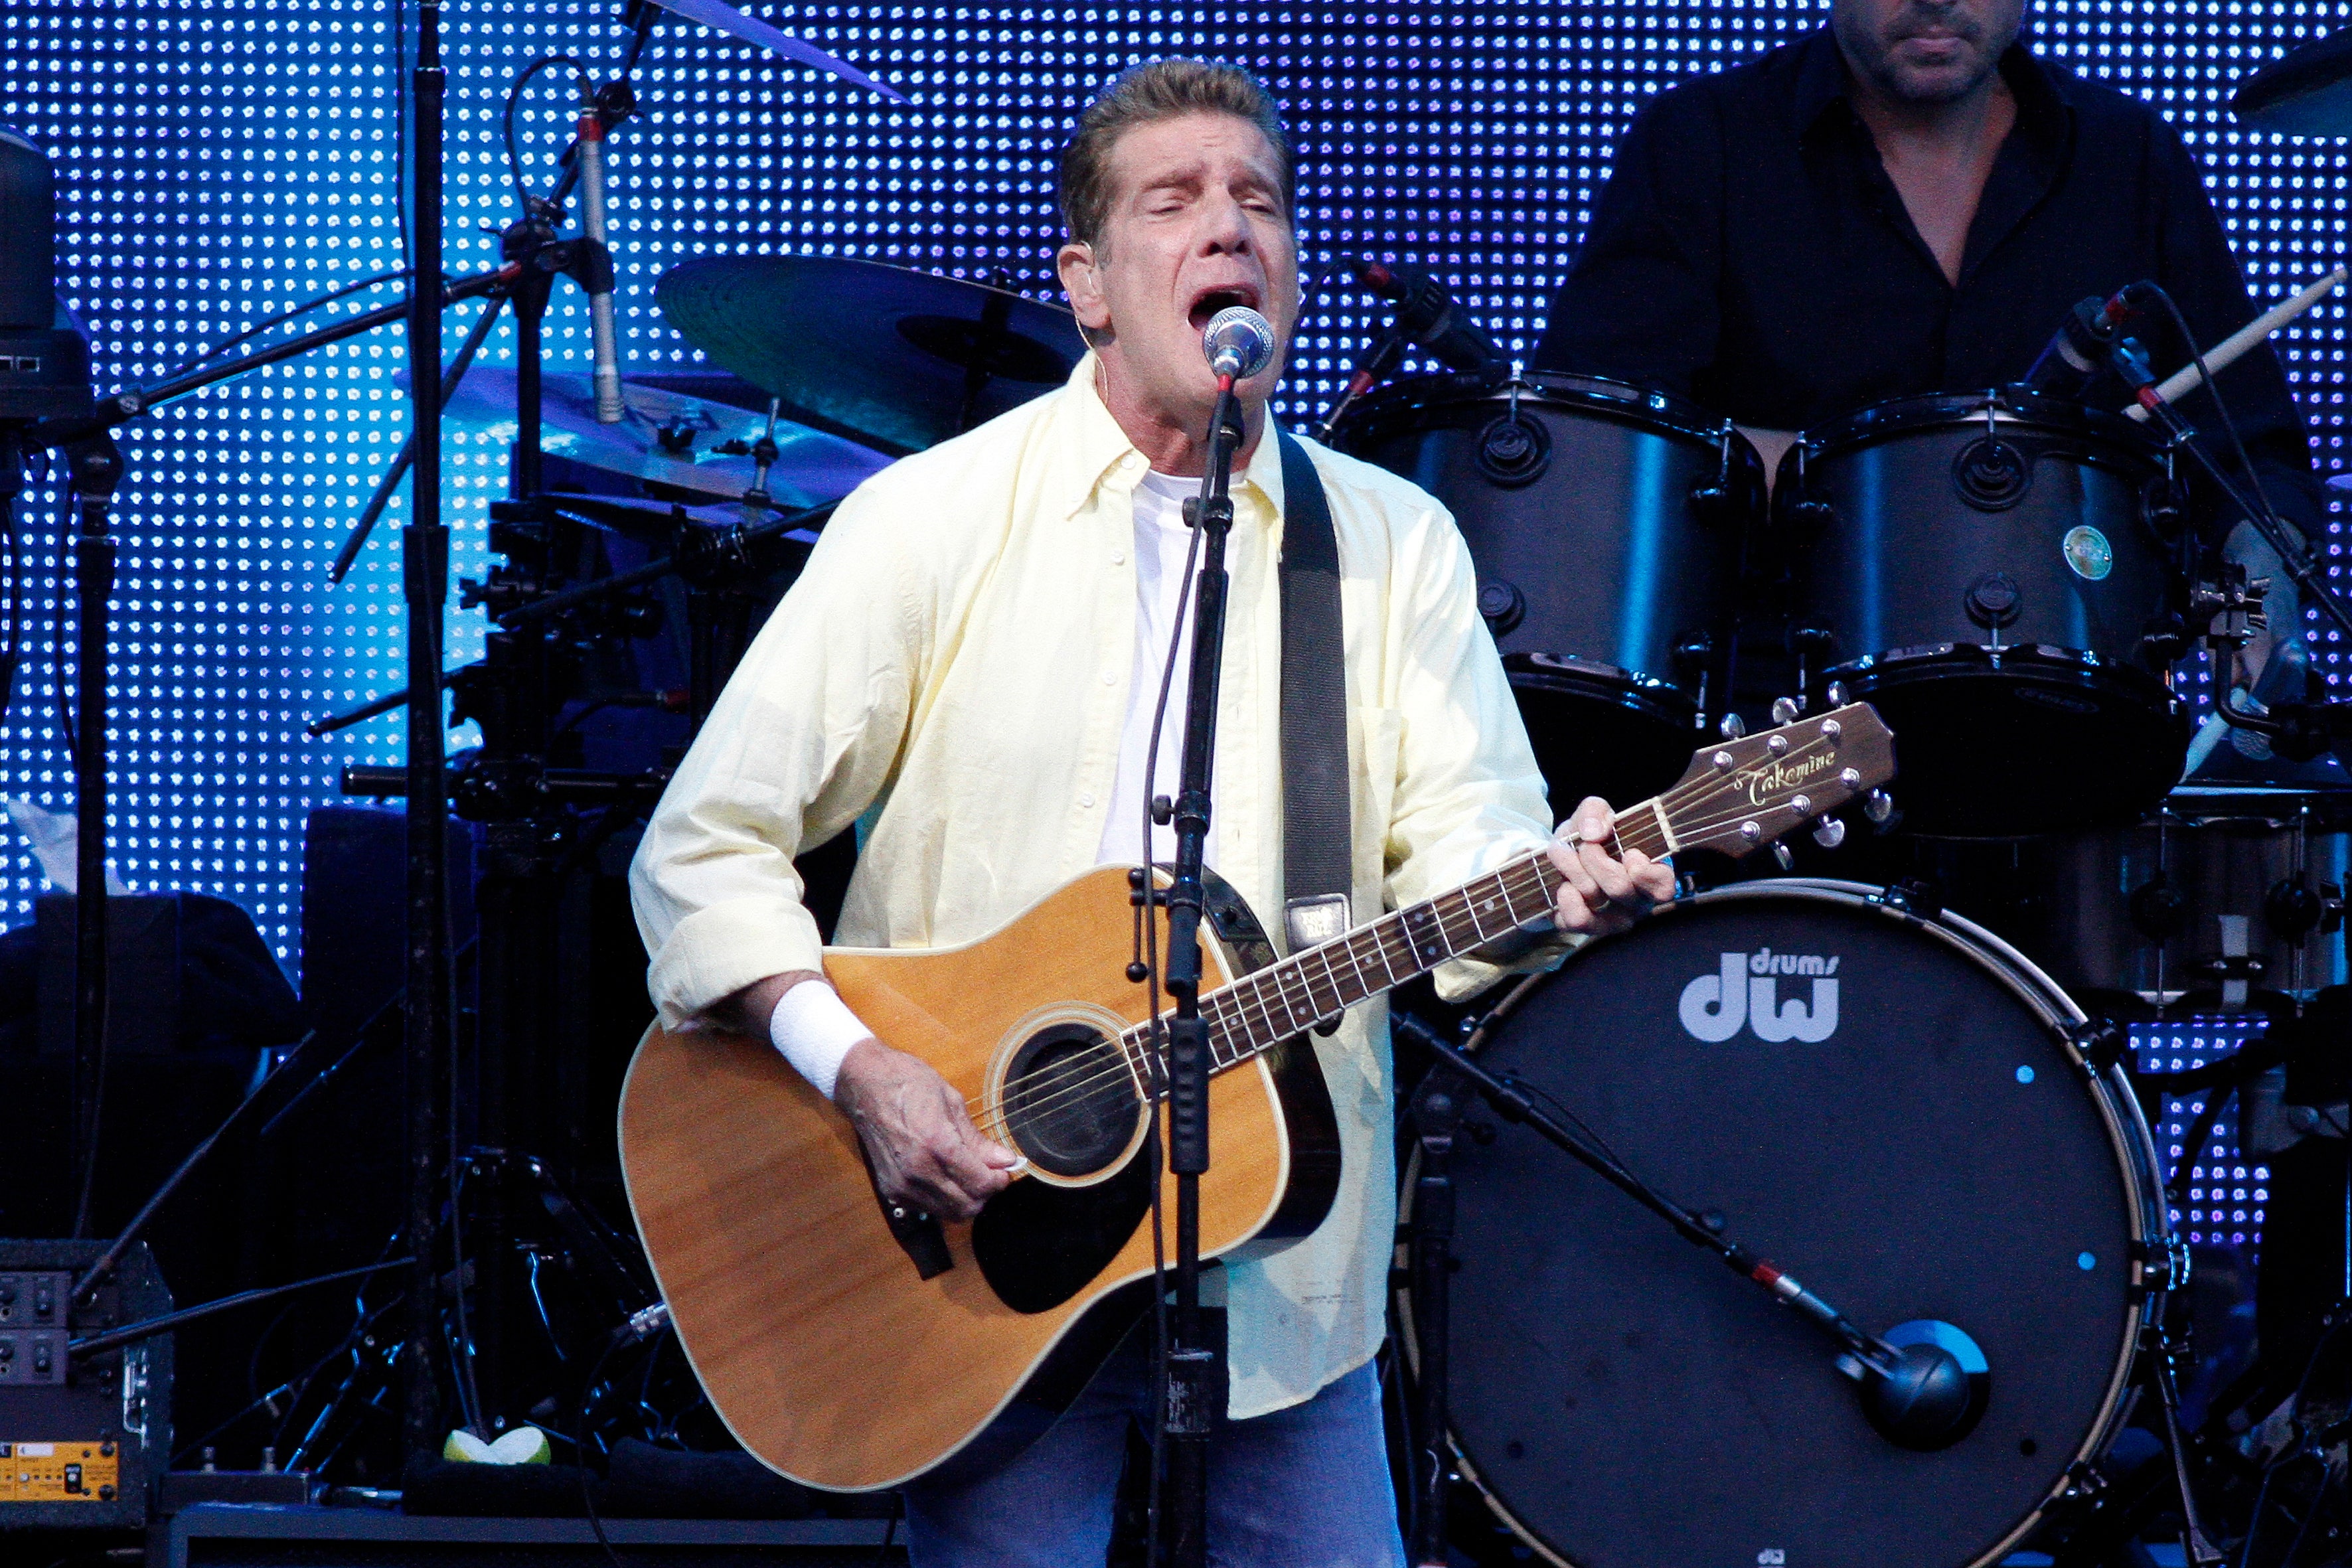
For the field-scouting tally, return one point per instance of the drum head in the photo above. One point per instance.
(1876, 1106)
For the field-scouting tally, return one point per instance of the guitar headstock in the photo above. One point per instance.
(1739, 795)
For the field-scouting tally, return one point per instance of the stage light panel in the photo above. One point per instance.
(222, 160)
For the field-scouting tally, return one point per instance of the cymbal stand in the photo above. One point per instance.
(96, 468)
(425, 588)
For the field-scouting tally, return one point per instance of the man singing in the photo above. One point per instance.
(1906, 200)
(969, 667)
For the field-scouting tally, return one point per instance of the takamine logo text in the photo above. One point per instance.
(1746, 993)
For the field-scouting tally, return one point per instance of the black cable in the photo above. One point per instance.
(461, 1349)
(12, 584)
(889, 1533)
(579, 1443)
(64, 704)
(2205, 379)
(514, 99)
(281, 319)
(400, 133)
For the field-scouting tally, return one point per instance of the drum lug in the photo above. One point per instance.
(1909, 897)
(2331, 908)
(2164, 1267)
(2085, 1483)
(2101, 1042)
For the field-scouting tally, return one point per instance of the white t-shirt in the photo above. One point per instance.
(1161, 545)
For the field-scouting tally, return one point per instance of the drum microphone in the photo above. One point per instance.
(1238, 341)
(603, 335)
(2079, 349)
(1427, 316)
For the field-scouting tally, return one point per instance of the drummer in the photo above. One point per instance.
(1909, 200)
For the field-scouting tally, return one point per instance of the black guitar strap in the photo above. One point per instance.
(1317, 851)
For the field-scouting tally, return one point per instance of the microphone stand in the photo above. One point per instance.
(1196, 1379)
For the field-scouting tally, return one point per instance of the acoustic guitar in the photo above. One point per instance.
(850, 1346)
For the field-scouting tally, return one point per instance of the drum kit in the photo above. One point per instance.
(2004, 577)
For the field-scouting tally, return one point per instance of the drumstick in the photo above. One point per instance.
(2184, 380)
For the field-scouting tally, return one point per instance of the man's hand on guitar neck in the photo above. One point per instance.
(1597, 892)
(918, 1134)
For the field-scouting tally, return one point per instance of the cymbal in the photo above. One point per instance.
(2306, 93)
(657, 523)
(692, 443)
(895, 357)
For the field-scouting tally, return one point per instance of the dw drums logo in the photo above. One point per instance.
(1746, 993)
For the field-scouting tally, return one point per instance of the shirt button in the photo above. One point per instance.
(1119, 557)
(1130, 462)
(1087, 801)
(1108, 679)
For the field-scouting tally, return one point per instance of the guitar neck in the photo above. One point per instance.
(1259, 1011)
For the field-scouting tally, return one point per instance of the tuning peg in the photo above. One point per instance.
(1836, 694)
(1732, 727)
(1829, 832)
(1781, 853)
(1878, 807)
(1785, 709)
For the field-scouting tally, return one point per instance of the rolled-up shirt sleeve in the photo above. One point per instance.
(805, 736)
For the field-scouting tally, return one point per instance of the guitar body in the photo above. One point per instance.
(809, 1318)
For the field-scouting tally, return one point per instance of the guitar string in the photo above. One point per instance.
(1228, 1007)
(1232, 1000)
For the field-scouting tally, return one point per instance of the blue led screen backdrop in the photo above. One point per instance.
(220, 161)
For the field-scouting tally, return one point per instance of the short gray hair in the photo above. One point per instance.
(1156, 90)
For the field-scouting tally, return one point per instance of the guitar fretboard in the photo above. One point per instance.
(1259, 1011)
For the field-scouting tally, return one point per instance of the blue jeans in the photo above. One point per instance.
(1303, 1488)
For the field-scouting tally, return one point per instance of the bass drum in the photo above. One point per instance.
(1608, 527)
(1995, 574)
(1889, 1107)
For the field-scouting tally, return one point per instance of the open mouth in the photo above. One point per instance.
(1209, 301)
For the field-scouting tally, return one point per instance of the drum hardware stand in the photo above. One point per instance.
(1373, 367)
(1916, 1395)
(613, 103)
(1437, 1115)
(2182, 435)
(2156, 1345)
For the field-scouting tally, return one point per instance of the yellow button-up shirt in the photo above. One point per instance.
(951, 672)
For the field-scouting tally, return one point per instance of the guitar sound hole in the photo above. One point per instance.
(1069, 1101)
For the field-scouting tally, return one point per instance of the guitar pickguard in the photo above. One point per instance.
(1038, 1244)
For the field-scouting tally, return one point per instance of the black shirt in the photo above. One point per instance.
(1750, 252)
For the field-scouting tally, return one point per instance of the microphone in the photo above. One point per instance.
(1238, 341)
(590, 150)
(2078, 350)
(1428, 317)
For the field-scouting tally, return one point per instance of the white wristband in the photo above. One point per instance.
(815, 1028)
